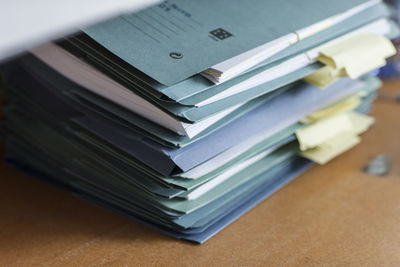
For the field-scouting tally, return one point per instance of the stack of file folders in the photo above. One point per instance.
(187, 114)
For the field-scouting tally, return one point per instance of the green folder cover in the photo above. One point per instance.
(209, 32)
(196, 88)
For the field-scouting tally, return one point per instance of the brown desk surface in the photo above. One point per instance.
(333, 214)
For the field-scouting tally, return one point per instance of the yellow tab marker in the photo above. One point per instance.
(330, 136)
(331, 148)
(351, 57)
(342, 106)
(317, 133)
(358, 54)
(323, 77)
(360, 122)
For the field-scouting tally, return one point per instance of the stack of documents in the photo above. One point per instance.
(184, 117)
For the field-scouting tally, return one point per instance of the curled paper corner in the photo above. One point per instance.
(379, 165)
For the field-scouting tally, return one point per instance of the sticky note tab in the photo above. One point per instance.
(317, 133)
(351, 57)
(331, 148)
(360, 122)
(358, 54)
(323, 77)
(339, 107)
(328, 137)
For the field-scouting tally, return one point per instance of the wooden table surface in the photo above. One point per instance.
(332, 215)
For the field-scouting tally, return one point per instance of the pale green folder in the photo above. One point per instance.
(145, 40)
(196, 88)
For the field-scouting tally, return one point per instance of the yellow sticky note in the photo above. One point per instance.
(323, 77)
(351, 57)
(358, 54)
(360, 122)
(342, 106)
(336, 141)
(331, 148)
(318, 132)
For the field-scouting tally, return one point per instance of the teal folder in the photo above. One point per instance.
(209, 32)
(196, 88)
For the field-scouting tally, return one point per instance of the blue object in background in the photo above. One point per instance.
(392, 69)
